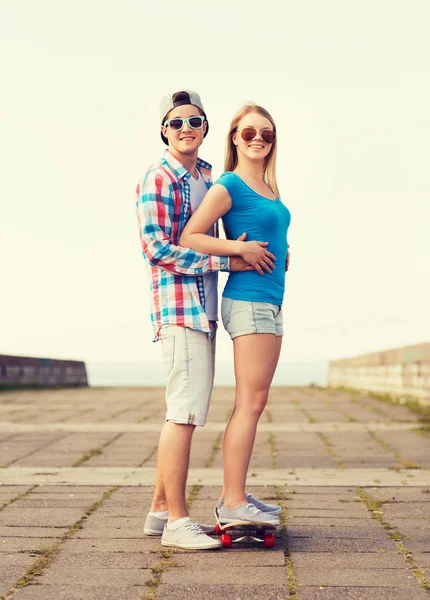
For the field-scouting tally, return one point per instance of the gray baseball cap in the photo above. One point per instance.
(179, 99)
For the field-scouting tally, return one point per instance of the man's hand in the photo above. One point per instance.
(287, 262)
(256, 255)
(238, 264)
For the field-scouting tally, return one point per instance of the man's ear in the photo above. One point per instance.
(205, 127)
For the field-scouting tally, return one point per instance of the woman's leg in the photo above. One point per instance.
(255, 360)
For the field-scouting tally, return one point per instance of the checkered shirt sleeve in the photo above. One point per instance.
(156, 212)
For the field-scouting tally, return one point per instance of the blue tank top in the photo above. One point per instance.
(263, 220)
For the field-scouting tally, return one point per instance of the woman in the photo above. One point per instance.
(247, 198)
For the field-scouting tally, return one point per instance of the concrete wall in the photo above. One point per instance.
(20, 371)
(400, 372)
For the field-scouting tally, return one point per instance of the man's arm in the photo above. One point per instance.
(153, 200)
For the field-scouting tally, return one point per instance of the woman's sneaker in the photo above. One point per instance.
(270, 509)
(189, 535)
(154, 525)
(247, 512)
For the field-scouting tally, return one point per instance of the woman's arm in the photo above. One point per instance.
(215, 205)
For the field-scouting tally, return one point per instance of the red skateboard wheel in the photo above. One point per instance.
(226, 540)
(217, 529)
(269, 540)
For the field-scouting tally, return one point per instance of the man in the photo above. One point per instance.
(183, 309)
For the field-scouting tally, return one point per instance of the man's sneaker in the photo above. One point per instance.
(154, 525)
(247, 512)
(190, 536)
(270, 509)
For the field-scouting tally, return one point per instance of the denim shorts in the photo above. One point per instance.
(189, 364)
(244, 318)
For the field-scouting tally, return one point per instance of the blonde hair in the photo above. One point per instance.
(230, 163)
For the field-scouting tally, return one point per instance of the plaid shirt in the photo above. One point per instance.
(163, 208)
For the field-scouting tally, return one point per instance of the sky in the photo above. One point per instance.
(348, 85)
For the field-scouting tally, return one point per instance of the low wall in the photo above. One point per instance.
(19, 371)
(400, 372)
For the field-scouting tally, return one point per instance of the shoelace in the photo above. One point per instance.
(253, 509)
(194, 528)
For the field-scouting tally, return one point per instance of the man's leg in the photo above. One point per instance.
(174, 459)
(159, 501)
(189, 363)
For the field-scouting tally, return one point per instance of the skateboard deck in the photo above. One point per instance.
(243, 531)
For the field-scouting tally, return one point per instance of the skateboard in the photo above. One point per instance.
(244, 531)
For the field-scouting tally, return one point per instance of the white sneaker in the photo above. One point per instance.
(154, 525)
(247, 512)
(190, 536)
(270, 509)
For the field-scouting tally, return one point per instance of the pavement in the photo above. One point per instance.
(76, 472)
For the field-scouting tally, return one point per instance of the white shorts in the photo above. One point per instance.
(189, 362)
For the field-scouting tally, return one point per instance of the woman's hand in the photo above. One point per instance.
(256, 254)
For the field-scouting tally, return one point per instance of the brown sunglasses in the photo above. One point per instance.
(267, 135)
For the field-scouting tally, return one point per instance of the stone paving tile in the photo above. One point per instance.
(361, 593)
(31, 532)
(411, 525)
(423, 559)
(245, 555)
(6, 584)
(127, 450)
(66, 451)
(411, 446)
(410, 510)
(79, 592)
(128, 545)
(365, 560)
(68, 502)
(335, 533)
(254, 575)
(24, 545)
(363, 523)
(8, 492)
(347, 511)
(315, 490)
(18, 448)
(62, 489)
(93, 577)
(104, 560)
(40, 517)
(222, 591)
(318, 543)
(396, 494)
(327, 575)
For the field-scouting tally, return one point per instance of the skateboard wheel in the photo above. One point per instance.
(226, 540)
(269, 540)
(217, 529)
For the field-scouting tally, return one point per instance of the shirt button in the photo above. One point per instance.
(223, 265)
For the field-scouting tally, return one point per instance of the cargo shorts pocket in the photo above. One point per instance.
(168, 352)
